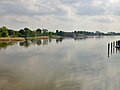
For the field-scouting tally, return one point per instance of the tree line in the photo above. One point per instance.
(26, 32)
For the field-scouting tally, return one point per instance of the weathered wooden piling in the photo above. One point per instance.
(113, 47)
(116, 43)
(113, 44)
(108, 49)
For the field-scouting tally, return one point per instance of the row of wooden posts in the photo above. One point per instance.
(111, 47)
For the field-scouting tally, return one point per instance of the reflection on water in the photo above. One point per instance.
(112, 49)
(67, 65)
(4, 45)
(117, 50)
(28, 43)
(59, 40)
(38, 42)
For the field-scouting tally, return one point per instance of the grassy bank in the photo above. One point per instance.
(40, 37)
(12, 39)
(56, 37)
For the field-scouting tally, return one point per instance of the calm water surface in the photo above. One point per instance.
(59, 65)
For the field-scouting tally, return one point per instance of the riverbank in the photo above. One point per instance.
(12, 39)
(40, 37)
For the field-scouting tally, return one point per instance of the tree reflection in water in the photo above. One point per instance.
(4, 45)
(59, 40)
(28, 43)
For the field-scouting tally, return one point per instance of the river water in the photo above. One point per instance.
(66, 64)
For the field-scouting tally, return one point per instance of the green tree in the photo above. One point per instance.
(4, 32)
(38, 32)
(61, 33)
(57, 32)
(13, 33)
(21, 33)
(27, 32)
(45, 32)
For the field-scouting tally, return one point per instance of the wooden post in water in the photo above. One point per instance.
(111, 47)
(116, 43)
(108, 49)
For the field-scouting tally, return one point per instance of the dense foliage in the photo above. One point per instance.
(26, 32)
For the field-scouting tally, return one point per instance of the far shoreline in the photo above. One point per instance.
(12, 39)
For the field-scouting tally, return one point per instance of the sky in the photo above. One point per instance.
(65, 15)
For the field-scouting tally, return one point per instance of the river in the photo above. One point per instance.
(66, 64)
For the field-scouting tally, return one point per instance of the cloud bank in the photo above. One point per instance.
(67, 15)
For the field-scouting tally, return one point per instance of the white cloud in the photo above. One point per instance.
(104, 19)
(66, 15)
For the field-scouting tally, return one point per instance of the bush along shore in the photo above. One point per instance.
(7, 34)
(12, 39)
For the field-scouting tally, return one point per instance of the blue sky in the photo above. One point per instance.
(67, 15)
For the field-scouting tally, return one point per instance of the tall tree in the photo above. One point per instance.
(38, 32)
(4, 32)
